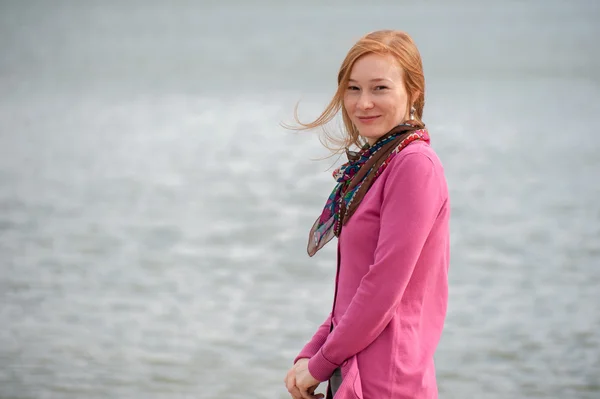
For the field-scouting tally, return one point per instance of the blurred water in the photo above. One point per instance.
(154, 215)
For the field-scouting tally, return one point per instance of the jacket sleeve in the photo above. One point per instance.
(313, 346)
(412, 199)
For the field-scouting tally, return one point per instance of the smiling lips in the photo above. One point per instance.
(367, 119)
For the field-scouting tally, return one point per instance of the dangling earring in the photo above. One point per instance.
(412, 113)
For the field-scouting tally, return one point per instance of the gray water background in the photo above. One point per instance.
(153, 213)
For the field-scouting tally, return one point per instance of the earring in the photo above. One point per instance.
(412, 113)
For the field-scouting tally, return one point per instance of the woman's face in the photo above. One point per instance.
(375, 98)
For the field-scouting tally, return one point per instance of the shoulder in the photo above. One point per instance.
(418, 156)
(416, 166)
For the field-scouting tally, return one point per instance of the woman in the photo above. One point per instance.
(390, 211)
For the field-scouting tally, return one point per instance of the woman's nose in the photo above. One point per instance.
(365, 102)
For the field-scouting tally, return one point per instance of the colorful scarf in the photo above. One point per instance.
(354, 179)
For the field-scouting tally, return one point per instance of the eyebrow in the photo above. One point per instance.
(372, 80)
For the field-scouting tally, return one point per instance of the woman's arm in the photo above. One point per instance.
(313, 346)
(412, 199)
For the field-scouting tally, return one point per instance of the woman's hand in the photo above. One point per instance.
(291, 380)
(305, 382)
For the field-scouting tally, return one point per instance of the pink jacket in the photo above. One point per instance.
(391, 286)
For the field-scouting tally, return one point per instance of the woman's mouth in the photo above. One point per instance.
(367, 119)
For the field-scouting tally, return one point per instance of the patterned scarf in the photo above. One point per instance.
(354, 179)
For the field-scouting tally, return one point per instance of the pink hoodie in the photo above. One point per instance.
(391, 286)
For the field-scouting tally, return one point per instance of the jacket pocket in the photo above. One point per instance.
(351, 386)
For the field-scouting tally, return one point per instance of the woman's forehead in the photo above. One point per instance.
(376, 67)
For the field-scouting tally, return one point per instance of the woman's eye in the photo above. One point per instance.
(352, 88)
(380, 87)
